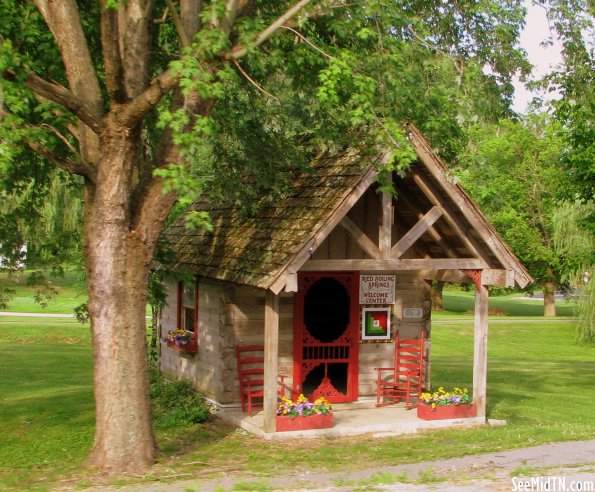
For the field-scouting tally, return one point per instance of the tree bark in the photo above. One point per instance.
(437, 288)
(549, 299)
(118, 262)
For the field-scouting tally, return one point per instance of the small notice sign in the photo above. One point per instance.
(415, 313)
(377, 289)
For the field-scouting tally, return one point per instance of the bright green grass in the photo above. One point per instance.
(538, 380)
(23, 301)
(46, 393)
(458, 302)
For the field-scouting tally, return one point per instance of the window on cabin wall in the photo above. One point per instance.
(188, 306)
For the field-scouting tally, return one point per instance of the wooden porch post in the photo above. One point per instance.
(384, 233)
(271, 360)
(480, 349)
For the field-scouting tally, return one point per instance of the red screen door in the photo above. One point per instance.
(326, 336)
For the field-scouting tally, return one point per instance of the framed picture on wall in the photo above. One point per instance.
(376, 323)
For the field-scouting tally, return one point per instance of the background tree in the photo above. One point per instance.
(150, 102)
(573, 81)
(574, 244)
(513, 169)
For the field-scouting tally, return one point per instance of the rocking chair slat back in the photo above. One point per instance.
(250, 363)
(404, 380)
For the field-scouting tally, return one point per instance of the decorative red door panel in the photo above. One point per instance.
(326, 335)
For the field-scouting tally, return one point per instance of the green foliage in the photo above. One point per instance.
(177, 403)
(25, 293)
(573, 80)
(5, 296)
(347, 78)
(44, 289)
(81, 313)
(586, 310)
(513, 171)
(574, 243)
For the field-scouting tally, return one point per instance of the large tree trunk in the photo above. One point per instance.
(437, 301)
(118, 261)
(549, 299)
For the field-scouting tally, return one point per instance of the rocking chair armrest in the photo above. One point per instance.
(258, 382)
(252, 382)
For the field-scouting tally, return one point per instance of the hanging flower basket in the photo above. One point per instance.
(182, 341)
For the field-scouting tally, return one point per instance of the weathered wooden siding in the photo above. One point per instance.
(205, 369)
(245, 310)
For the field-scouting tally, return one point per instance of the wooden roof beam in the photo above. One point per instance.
(468, 208)
(385, 228)
(360, 238)
(416, 232)
(400, 264)
(440, 239)
(429, 191)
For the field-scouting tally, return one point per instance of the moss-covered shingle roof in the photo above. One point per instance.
(254, 250)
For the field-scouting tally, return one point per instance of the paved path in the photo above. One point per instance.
(37, 315)
(564, 464)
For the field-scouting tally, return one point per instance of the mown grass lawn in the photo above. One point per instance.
(23, 300)
(539, 380)
(458, 302)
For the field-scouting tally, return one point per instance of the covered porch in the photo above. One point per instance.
(351, 419)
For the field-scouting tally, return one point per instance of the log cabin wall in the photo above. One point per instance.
(206, 369)
(245, 318)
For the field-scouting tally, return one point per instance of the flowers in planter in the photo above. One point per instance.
(456, 396)
(180, 337)
(303, 407)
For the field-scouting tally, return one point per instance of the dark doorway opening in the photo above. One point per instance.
(326, 310)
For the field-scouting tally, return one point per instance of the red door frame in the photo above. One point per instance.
(351, 282)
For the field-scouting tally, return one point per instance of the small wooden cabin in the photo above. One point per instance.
(306, 276)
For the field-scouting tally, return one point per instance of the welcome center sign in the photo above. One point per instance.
(377, 289)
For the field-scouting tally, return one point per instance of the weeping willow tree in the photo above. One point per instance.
(41, 231)
(574, 244)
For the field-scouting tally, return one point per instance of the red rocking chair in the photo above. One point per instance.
(405, 379)
(250, 361)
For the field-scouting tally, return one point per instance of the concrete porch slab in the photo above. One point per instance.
(352, 419)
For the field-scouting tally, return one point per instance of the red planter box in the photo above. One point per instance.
(191, 348)
(426, 412)
(317, 421)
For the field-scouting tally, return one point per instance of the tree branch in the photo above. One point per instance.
(239, 51)
(61, 95)
(184, 39)
(147, 100)
(79, 168)
(63, 19)
(253, 82)
(114, 68)
(229, 17)
(305, 39)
